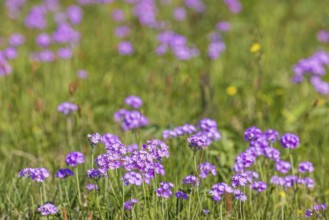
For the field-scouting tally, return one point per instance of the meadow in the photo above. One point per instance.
(164, 109)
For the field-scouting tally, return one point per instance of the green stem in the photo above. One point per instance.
(78, 184)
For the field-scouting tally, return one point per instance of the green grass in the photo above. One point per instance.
(34, 134)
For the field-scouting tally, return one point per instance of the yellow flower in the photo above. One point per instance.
(282, 194)
(255, 47)
(231, 90)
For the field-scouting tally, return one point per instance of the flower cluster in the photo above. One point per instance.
(316, 210)
(128, 205)
(74, 158)
(131, 119)
(63, 173)
(164, 190)
(179, 131)
(67, 107)
(37, 174)
(315, 67)
(48, 209)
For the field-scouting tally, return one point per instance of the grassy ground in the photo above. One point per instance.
(34, 134)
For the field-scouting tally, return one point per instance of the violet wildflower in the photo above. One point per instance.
(43, 40)
(74, 158)
(276, 180)
(67, 107)
(233, 5)
(82, 74)
(132, 148)
(133, 119)
(241, 179)
(157, 149)
(309, 182)
(258, 186)
(95, 174)
(48, 209)
(168, 134)
(272, 135)
(305, 167)
(223, 26)
(118, 15)
(181, 195)
(218, 190)
(197, 5)
(252, 133)
(63, 173)
(10, 53)
(125, 48)
(94, 139)
(308, 213)
(132, 178)
(74, 14)
(164, 190)
(37, 174)
(191, 180)
(198, 142)
(16, 40)
(128, 205)
(65, 53)
(289, 140)
(207, 168)
(5, 68)
(240, 195)
(134, 101)
(179, 13)
(320, 207)
(282, 166)
(122, 31)
(205, 211)
(215, 49)
(91, 186)
(323, 36)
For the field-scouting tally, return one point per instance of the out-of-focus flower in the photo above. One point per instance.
(48, 209)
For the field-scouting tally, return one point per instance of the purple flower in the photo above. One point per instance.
(164, 190)
(64, 53)
(82, 74)
(252, 133)
(16, 40)
(196, 5)
(65, 34)
(205, 211)
(118, 15)
(289, 140)
(179, 14)
(10, 53)
(91, 186)
(133, 119)
(258, 186)
(198, 142)
(218, 190)
(272, 135)
(234, 5)
(240, 195)
(305, 167)
(37, 174)
(157, 149)
(5, 68)
(63, 173)
(207, 168)
(323, 36)
(132, 178)
(320, 207)
(74, 158)
(132, 148)
(223, 26)
(44, 56)
(74, 14)
(48, 209)
(94, 138)
(181, 195)
(67, 107)
(282, 166)
(43, 40)
(36, 18)
(241, 179)
(308, 213)
(122, 31)
(128, 205)
(215, 49)
(134, 101)
(191, 180)
(125, 48)
(96, 173)
(276, 180)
